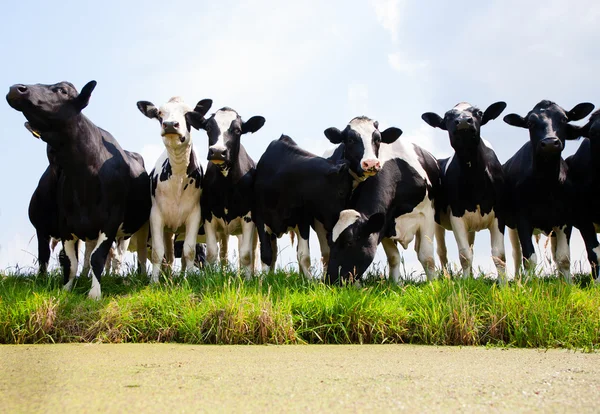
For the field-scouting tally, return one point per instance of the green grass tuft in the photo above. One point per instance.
(217, 307)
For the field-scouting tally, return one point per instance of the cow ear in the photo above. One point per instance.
(390, 135)
(434, 120)
(338, 168)
(203, 106)
(148, 109)
(580, 111)
(515, 120)
(374, 224)
(493, 112)
(83, 99)
(576, 131)
(253, 124)
(334, 135)
(195, 119)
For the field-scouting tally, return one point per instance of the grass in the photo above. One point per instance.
(216, 307)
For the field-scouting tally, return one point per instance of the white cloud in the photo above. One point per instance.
(428, 138)
(388, 14)
(406, 66)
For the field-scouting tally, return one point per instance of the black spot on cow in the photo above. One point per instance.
(247, 219)
(166, 171)
(193, 171)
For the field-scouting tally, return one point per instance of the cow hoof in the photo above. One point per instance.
(68, 286)
(95, 293)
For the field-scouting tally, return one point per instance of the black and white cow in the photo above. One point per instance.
(540, 194)
(396, 205)
(472, 193)
(584, 172)
(228, 186)
(102, 193)
(292, 189)
(176, 181)
(358, 144)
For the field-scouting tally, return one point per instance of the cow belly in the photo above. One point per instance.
(176, 204)
(475, 221)
(407, 225)
(232, 228)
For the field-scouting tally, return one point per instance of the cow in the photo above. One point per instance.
(176, 181)
(539, 192)
(472, 192)
(200, 255)
(292, 189)
(358, 144)
(228, 186)
(584, 173)
(102, 193)
(396, 205)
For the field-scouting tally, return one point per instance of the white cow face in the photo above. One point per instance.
(362, 140)
(225, 129)
(176, 119)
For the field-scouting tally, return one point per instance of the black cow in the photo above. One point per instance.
(540, 194)
(472, 194)
(584, 172)
(396, 205)
(359, 145)
(102, 193)
(227, 187)
(292, 189)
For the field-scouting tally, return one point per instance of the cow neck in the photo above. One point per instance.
(236, 171)
(595, 155)
(179, 158)
(71, 153)
(473, 161)
(547, 170)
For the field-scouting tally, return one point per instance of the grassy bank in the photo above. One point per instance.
(217, 308)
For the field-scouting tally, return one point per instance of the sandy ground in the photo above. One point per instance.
(183, 378)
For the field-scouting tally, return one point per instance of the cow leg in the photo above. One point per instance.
(513, 235)
(68, 260)
(442, 251)
(89, 246)
(212, 246)
(303, 250)
(323, 244)
(471, 236)
(424, 244)
(563, 253)
(158, 244)
(118, 254)
(43, 252)
(109, 259)
(525, 238)
(393, 258)
(140, 240)
(246, 247)
(192, 225)
(98, 261)
(498, 253)
(462, 240)
(588, 233)
(224, 248)
(169, 249)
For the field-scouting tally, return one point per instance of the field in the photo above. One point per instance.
(215, 307)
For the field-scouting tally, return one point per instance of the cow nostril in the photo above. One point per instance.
(224, 153)
(22, 89)
(470, 120)
(456, 122)
(176, 124)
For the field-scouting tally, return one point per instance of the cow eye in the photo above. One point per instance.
(480, 114)
(237, 131)
(62, 90)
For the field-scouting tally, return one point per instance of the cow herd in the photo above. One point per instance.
(373, 188)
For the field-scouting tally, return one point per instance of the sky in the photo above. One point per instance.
(305, 66)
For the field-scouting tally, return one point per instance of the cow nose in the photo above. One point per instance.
(551, 144)
(463, 123)
(371, 165)
(16, 92)
(217, 154)
(170, 127)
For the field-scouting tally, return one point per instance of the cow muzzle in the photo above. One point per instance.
(217, 155)
(551, 145)
(463, 123)
(370, 167)
(16, 94)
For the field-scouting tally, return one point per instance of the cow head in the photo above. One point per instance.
(49, 107)
(176, 119)
(353, 244)
(591, 130)
(549, 126)
(362, 140)
(225, 129)
(463, 123)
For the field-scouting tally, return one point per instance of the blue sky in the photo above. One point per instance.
(304, 66)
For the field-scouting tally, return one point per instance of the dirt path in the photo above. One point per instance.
(180, 378)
